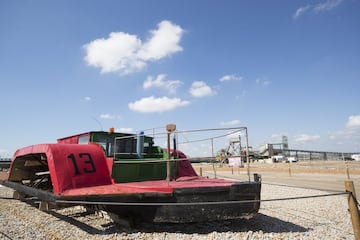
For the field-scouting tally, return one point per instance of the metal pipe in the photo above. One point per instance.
(247, 153)
(169, 129)
(168, 171)
(353, 208)
(212, 147)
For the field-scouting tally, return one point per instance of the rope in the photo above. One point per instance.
(209, 159)
(206, 139)
(306, 188)
(7, 198)
(135, 161)
(194, 203)
(281, 185)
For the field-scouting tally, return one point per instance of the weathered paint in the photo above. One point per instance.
(70, 165)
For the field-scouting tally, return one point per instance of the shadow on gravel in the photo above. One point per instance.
(260, 222)
(108, 229)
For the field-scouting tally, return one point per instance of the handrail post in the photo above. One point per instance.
(353, 208)
(247, 153)
(347, 169)
(289, 168)
(169, 129)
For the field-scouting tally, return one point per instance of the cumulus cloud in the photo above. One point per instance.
(152, 104)
(230, 78)
(118, 53)
(353, 122)
(125, 53)
(304, 138)
(230, 123)
(350, 132)
(200, 89)
(317, 8)
(164, 41)
(161, 82)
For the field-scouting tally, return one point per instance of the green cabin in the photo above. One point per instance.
(131, 157)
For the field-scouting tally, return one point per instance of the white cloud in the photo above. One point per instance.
(304, 138)
(163, 41)
(326, 6)
(152, 104)
(118, 53)
(275, 138)
(262, 82)
(317, 8)
(230, 78)
(108, 116)
(349, 136)
(124, 130)
(87, 99)
(300, 11)
(125, 53)
(345, 133)
(200, 89)
(230, 123)
(353, 122)
(161, 82)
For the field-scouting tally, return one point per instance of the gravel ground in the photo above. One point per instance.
(314, 218)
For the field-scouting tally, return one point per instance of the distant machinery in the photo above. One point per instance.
(235, 154)
(271, 149)
(233, 149)
(4, 163)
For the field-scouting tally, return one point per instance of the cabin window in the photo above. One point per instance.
(107, 144)
(126, 145)
(84, 139)
(146, 147)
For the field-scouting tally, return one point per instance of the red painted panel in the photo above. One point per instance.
(157, 186)
(110, 162)
(70, 140)
(78, 170)
(185, 168)
(72, 165)
(183, 182)
(115, 189)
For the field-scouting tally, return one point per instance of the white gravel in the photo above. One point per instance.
(314, 218)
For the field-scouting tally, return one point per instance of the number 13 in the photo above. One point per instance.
(87, 159)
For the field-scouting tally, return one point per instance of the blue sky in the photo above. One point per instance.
(277, 67)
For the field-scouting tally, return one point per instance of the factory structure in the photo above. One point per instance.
(280, 152)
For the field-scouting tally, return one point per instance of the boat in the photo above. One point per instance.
(129, 177)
